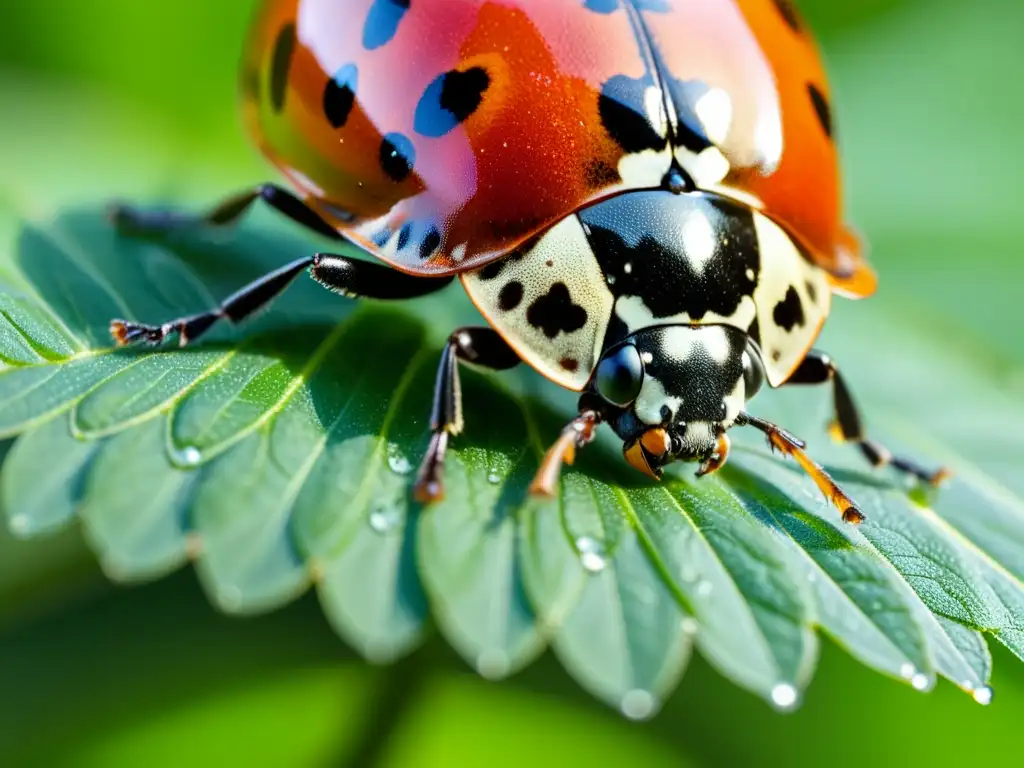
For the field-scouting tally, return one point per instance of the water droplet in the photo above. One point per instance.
(704, 588)
(785, 697)
(638, 704)
(397, 461)
(690, 625)
(494, 478)
(493, 663)
(592, 554)
(385, 517)
(921, 682)
(908, 671)
(189, 456)
(983, 695)
(20, 525)
(812, 577)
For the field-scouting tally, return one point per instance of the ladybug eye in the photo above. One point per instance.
(753, 372)
(620, 375)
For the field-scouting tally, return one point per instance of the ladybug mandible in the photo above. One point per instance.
(641, 197)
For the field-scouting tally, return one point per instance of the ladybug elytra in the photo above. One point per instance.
(640, 196)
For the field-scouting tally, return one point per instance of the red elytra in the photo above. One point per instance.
(467, 127)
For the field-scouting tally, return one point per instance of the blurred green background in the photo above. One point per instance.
(103, 98)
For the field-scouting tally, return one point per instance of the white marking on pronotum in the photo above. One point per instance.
(699, 240)
(715, 343)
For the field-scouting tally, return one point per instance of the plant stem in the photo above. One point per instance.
(396, 695)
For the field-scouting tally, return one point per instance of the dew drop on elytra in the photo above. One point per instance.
(592, 554)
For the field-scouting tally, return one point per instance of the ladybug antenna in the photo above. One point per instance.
(789, 445)
(577, 433)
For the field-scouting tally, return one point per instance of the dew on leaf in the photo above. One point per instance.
(785, 697)
(385, 517)
(189, 456)
(399, 464)
(592, 554)
(983, 695)
(921, 682)
(638, 704)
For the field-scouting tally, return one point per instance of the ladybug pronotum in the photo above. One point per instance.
(640, 196)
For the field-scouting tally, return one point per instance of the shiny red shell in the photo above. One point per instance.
(441, 134)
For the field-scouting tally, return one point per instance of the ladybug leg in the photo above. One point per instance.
(350, 277)
(819, 368)
(226, 212)
(782, 441)
(479, 346)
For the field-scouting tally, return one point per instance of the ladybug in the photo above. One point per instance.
(640, 196)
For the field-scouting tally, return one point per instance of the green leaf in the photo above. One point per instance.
(279, 456)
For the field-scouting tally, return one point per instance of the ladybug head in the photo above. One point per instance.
(671, 392)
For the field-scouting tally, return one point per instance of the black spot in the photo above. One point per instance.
(622, 109)
(381, 237)
(430, 243)
(555, 312)
(789, 313)
(510, 297)
(570, 364)
(788, 12)
(646, 230)
(821, 108)
(495, 268)
(776, 355)
(492, 270)
(280, 64)
(397, 156)
(404, 235)
(340, 95)
(382, 22)
(812, 292)
(449, 100)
